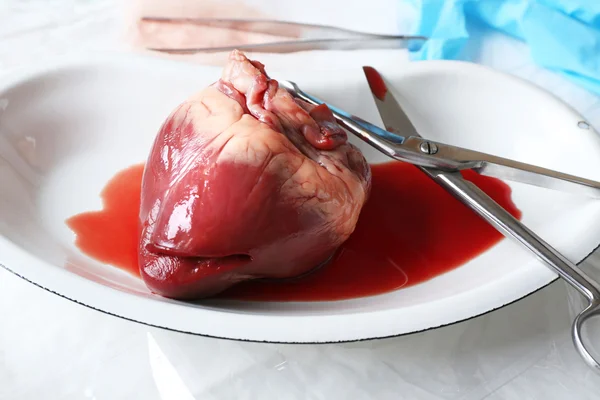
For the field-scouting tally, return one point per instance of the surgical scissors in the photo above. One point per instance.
(445, 170)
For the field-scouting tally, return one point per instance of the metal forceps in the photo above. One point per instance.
(300, 36)
(442, 163)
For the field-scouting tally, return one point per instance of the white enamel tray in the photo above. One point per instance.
(66, 129)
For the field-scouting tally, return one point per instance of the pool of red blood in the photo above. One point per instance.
(410, 230)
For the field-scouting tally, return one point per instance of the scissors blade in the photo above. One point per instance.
(393, 116)
(450, 157)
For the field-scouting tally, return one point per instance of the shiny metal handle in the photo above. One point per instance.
(492, 212)
(592, 310)
(502, 220)
(503, 168)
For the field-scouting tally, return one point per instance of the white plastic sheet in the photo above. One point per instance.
(51, 348)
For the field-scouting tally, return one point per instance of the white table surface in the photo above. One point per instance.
(51, 348)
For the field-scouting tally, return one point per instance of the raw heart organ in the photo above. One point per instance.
(243, 181)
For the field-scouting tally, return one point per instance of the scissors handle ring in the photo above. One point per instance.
(592, 309)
